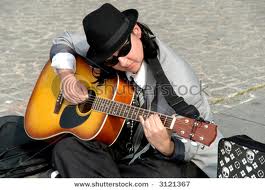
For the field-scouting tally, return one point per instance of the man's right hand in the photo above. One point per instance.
(73, 90)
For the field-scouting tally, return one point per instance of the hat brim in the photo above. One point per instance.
(99, 57)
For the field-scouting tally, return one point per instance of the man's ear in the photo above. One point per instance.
(137, 31)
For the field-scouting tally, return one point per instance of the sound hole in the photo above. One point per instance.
(86, 106)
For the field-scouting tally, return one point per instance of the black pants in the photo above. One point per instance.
(75, 158)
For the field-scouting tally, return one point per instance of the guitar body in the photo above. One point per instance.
(41, 121)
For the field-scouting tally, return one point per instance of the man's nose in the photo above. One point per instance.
(123, 61)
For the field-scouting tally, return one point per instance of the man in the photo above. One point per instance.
(115, 42)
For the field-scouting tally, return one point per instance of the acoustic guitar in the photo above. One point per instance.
(102, 115)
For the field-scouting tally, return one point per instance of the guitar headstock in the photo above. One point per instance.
(203, 132)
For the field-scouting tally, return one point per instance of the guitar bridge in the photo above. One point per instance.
(59, 102)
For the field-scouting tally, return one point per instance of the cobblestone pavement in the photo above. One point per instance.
(222, 39)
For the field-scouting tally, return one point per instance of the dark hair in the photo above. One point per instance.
(150, 50)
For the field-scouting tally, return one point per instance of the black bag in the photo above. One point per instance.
(240, 157)
(21, 156)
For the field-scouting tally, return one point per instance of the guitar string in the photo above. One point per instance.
(100, 103)
(119, 103)
(167, 119)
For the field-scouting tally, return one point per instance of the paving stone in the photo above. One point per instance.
(222, 40)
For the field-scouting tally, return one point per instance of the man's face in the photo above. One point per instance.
(133, 60)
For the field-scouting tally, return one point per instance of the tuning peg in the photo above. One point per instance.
(201, 138)
(206, 126)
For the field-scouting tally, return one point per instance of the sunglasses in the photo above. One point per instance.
(123, 51)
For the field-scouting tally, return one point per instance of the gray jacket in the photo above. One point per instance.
(185, 84)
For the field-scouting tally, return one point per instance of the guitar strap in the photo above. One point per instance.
(176, 102)
(150, 49)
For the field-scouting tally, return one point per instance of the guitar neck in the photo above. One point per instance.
(203, 132)
(127, 111)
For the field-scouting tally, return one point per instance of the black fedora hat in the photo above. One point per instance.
(106, 30)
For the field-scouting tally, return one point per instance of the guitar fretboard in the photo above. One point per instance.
(127, 111)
